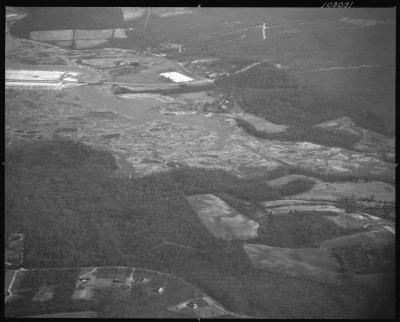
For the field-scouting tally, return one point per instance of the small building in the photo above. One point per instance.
(192, 305)
(197, 303)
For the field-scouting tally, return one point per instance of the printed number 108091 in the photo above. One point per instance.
(337, 5)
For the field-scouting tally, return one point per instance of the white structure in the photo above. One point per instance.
(33, 75)
(176, 77)
(264, 28)
(51, 79)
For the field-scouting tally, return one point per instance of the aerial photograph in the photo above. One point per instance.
(200, 162)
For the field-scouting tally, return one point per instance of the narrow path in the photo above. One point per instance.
(130, 278)
(10, 294)
(346, 67)
(94, 270)
(173, 243)
(248, 67)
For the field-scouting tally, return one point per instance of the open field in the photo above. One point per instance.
(290, 202)
(305, 229)
(369, 141)
(93, 34)
(305, 208)
(71, 315)
(375, 237)
(261, 124)
(351, 221)
(301, 262)
(222, 220)
(332, 191)
(131, 13)
(284, 180)
(83, 44)
(52, 35)
(44, 294)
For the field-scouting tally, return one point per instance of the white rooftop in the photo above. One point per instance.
(37, 75)
(176, 77)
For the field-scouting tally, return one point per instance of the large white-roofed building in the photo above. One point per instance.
(176, 77)
(33, 75)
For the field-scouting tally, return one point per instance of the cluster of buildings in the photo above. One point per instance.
(204, 70)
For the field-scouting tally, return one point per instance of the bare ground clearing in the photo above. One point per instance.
(371, 142)
(375, 237)
(72, 315)
(302, 262)
(284, 180)
(222, 220)
(353, 221)
(305, 208)
(232, 149)
(337, 190)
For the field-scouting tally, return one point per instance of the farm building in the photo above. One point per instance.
(176, 77)
(33, 75)
(197, 303)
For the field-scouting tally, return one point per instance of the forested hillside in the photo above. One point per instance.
(75, 212)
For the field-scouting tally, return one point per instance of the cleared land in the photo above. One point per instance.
(52, 35)
(375, 237)
(289, 202)
(71, 315)
(82, 44)
(338, 190)
(370, 141)
(284, 180)
(302, 262)
(93, 34)
(44, 294)
(305, 208)
(262, 124)
(222, 220)
(214, 141)
(350, 221)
